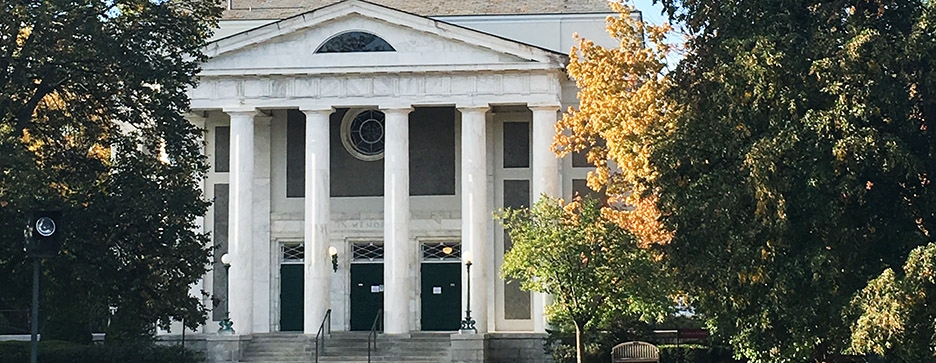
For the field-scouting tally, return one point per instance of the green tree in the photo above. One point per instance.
(92, 94)
(799, 166)
(591, 266)
(895, 315)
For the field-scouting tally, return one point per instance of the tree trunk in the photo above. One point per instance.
(579, 347)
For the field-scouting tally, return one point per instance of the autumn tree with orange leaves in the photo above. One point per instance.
(622, 109)
(591, 258)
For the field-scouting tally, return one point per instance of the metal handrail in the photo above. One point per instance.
(373, 333)
(325, 328)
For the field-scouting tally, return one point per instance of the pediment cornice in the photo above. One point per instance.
(377, 13)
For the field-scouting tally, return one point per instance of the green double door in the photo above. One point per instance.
(366, 295)
(441, 296)
(291, 297)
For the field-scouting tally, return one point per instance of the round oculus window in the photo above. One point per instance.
(363, 133)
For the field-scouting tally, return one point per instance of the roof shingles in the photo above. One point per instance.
(278, 9)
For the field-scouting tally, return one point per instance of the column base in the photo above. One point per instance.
(469, 348)
(517, 348)
(225, 348)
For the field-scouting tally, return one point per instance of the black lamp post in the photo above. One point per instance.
(43, 239)
(468, 323)
(226, 324)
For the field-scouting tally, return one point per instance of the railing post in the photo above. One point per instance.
(34, 336)
(326, 322)
(373, 332)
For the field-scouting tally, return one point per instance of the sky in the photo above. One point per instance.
(651, 14)
(651, 11)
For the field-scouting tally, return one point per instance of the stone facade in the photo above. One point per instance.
(517, 348)
(278, 114)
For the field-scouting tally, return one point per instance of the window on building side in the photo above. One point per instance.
(222, 149)
(351, 42)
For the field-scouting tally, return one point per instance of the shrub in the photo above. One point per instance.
(694, 353)
(14, 351)
(597, 344)
(67, 352)
(57, 351)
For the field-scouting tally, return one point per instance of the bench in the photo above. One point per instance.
(635, 352)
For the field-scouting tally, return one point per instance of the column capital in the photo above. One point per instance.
(473, 108)
(240, 110)
(397, 108)
(545, 107)
(196, 118)
(311, 109)
(257, 115)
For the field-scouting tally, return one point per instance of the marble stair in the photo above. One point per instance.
(419, 347)
(349, 347)
(279, 348)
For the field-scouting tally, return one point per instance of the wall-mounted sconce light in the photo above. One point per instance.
(333, 252)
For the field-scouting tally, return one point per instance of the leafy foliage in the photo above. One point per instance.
(622, 109)
(895, 314)
(592, 267)
(800, 164)
(783, 164)
(66, 352)
(597, 342)
(92, 94)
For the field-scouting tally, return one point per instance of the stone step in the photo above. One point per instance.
(334, 345)
(279, 348)
(304, 358)
(356, 358)
(349, 347)
(277, 355)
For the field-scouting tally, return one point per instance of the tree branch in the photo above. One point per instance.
(24, 116)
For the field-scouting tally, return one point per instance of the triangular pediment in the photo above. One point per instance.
(420, 44)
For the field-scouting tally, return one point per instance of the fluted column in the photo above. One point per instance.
(198, 120)
(262, 254)
(316, 298)
(240, 232)
(475, 213)
(397, 246)
(545, 182)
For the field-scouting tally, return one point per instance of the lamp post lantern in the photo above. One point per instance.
(43, 239)
(226, 324)
(468, 323)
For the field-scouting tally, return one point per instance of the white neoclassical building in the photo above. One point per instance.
(358, 151)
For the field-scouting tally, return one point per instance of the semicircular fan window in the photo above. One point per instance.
(352, 42)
